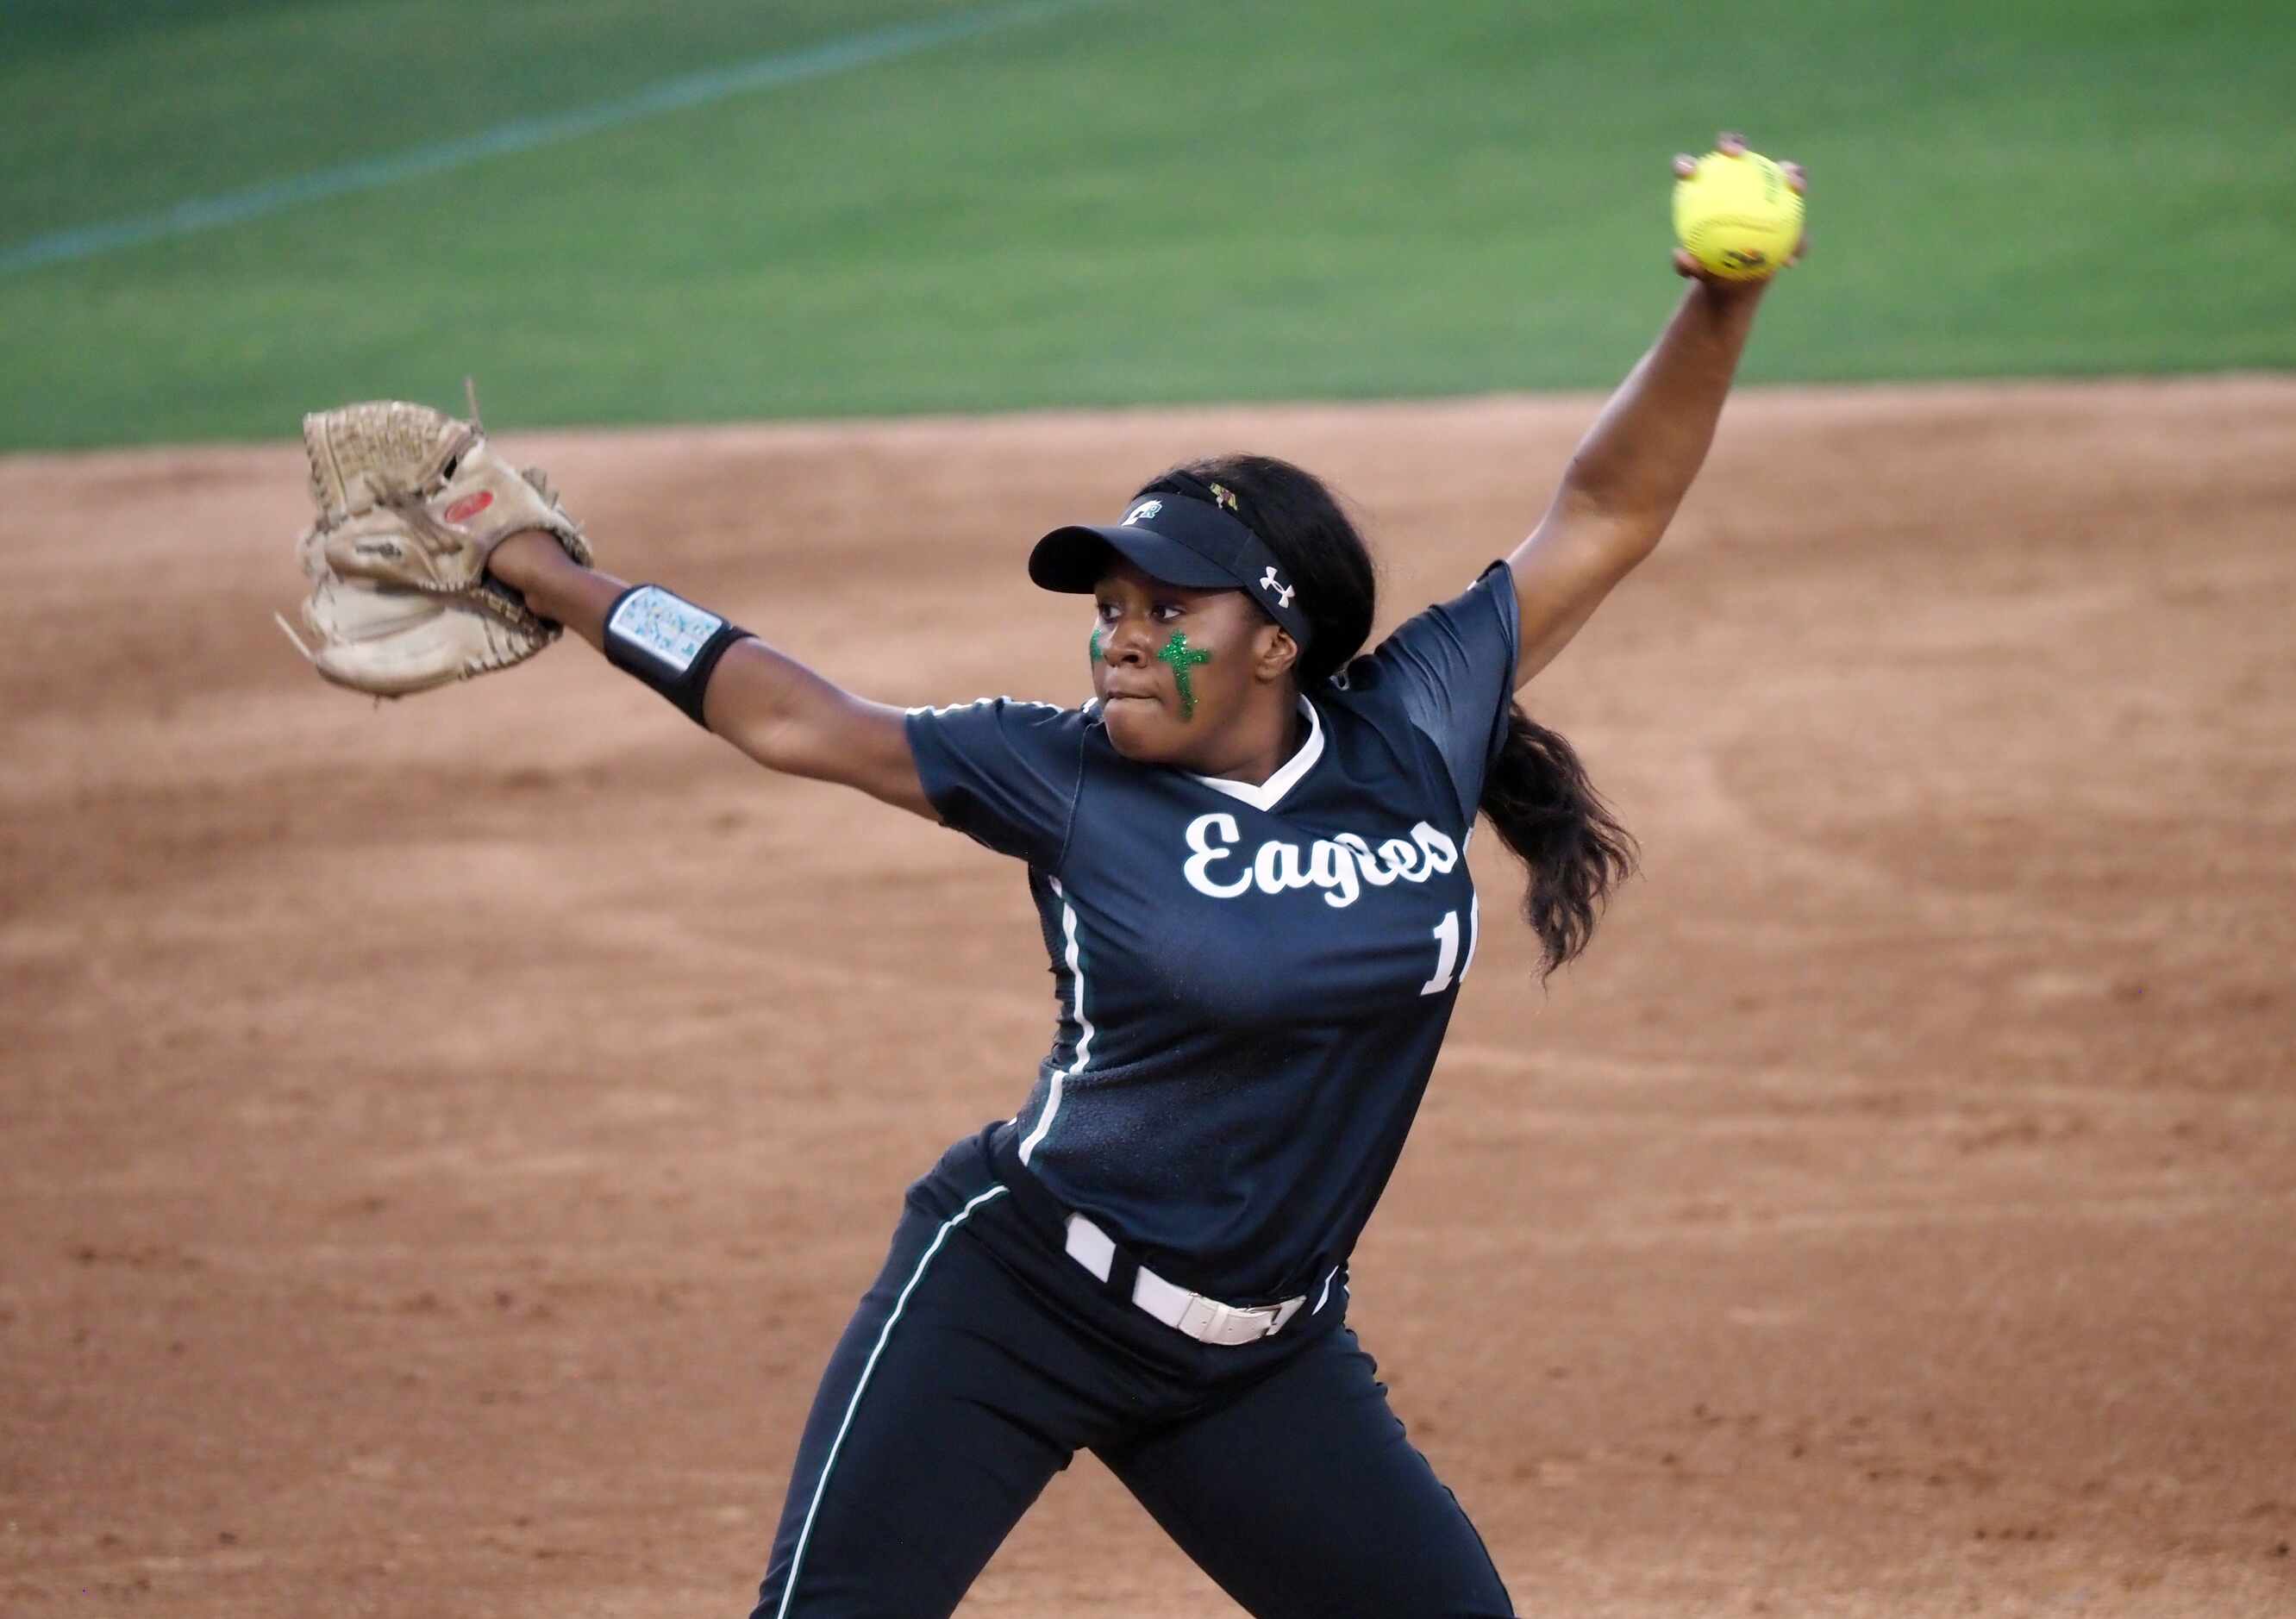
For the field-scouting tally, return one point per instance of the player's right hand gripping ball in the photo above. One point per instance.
(1738, 215)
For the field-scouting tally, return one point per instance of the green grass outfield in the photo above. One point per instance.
(1135, 200)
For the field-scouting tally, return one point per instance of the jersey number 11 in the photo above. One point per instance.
(1447, 945)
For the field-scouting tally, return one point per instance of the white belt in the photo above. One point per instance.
(1205, 1319)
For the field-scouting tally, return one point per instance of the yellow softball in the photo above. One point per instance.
(1739, 216)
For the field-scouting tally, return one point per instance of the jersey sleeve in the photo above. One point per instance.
(1005, 773)
(1452, 670)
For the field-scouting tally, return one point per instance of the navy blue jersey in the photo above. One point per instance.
(1253, 980)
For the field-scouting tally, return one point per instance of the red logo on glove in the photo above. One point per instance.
(464, 510)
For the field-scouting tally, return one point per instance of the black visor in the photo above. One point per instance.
(1180, 540)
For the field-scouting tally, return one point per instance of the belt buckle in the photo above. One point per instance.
(1208, 1320)
(1228, 1318)
(1215, 1322)
(1260, 1318)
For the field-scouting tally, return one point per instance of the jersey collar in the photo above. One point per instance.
(1267, 795)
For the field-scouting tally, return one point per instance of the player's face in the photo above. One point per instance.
(1176, 668)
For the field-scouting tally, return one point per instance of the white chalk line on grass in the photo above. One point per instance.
(525, 134)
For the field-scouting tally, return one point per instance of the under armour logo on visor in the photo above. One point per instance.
(1140, 513)
(1269, 582)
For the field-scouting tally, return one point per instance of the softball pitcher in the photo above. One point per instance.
(1248, 853)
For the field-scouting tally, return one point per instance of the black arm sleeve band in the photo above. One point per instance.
(668, 643)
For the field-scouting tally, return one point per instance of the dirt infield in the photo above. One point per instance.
(1894, 1214)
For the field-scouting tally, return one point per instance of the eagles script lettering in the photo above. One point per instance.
(1339, 866)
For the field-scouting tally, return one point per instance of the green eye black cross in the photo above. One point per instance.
(1175, 653)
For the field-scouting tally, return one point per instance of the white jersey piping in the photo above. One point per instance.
(821, 1486)
(1075, 959)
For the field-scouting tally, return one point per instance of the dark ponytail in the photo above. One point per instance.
(1537, 793)
(1545, 809)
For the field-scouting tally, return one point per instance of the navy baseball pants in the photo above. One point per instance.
(984, 1358)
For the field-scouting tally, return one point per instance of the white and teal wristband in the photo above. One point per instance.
(668, 644)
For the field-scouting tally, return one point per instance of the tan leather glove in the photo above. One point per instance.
(410, 502)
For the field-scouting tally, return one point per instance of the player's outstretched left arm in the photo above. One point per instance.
(1636, 462)
(766, 704)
